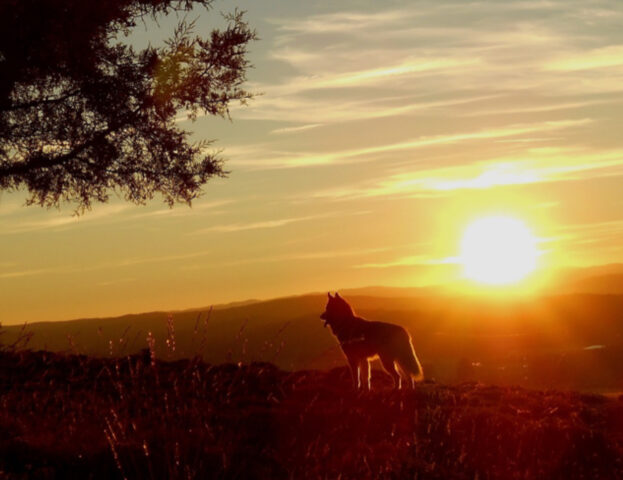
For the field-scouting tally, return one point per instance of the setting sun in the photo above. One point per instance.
(498, 250)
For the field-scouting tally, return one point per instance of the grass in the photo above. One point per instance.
(70, 416)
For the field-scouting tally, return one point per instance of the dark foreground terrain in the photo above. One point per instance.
(65, 417)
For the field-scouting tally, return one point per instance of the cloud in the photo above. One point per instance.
(532, 165)
(542, 108)
(295, 109)
(596, 59)
(298, 256)
(62, 221)
(361, 154)
(340, 22)
(588, 241)
(128, 262)
(185, 211)
(590, 232)
(7, 209)
(131, 262)
(295, 129)
(546, 50)
(409, 261)
(255, 225)
(23, 273)
(380, 74)
(116, 281)
(104, 213)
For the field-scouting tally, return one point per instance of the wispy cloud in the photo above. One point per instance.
(181, 258)
(543, 49)
(379, 75)
(9, 208)
(62, 221)
(255, 225)
(298, 256)
(360, 154)
(185, 211)
(590, 232)
(328, 111)
(552, 107)
(25, 273)
(300, 128)
(409, 261)
(340, 22)
(604, 57)
(533, 165)
(116, 281)
(113, 213)
(588, 242)
(112, 265)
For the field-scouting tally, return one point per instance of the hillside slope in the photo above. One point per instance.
(565, 341)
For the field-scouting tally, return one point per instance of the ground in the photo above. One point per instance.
(81, 417)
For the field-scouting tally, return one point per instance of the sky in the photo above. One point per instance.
(381, 131)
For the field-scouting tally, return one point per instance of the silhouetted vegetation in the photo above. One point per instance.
(82, 113)
(139, 417)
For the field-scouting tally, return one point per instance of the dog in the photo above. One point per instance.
(362, 341)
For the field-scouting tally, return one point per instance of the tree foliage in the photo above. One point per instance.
(83, 114)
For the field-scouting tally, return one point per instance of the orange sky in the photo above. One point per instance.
(383, 130)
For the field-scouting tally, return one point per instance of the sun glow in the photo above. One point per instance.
(498, 251)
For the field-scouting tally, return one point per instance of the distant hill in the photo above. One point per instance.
(603, 279)
(601, 284)
(563, 341)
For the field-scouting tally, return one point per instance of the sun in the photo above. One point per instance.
(498, 250)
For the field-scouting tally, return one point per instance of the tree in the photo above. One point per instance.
(82, 114)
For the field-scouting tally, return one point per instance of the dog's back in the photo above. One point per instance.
(362, 340)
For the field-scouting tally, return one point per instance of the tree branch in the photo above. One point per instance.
(39, 103)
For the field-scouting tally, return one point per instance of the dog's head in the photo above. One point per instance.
(337, 309)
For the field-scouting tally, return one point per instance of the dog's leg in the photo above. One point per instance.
(388, 365)
(365, 366)
(354, 370)
(404, 375)
(359, 377)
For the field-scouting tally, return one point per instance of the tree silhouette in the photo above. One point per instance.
(82, 114)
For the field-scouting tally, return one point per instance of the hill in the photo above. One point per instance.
(560, 341)
(80, 417)
(601, 280)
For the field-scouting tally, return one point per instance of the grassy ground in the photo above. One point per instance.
(79, 417)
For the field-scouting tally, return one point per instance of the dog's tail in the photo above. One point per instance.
(410, 363)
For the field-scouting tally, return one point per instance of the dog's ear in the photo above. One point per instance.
(330, 297)
(337, 295)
